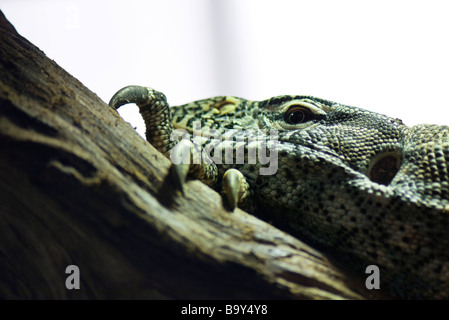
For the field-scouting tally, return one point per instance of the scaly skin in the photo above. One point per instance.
(361, 183)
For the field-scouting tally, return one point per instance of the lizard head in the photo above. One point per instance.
(364, 183)
(365, 141)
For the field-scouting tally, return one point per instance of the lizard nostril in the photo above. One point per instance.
(384, 167)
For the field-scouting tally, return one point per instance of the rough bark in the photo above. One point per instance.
(78, 186)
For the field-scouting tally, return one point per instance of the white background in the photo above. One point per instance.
(387, 56)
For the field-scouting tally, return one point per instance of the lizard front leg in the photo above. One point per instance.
(188, 158)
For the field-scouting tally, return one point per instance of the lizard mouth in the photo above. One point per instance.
(384, 166)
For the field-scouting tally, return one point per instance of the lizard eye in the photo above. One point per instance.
(297, 114)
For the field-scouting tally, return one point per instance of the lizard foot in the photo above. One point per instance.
(189, 160)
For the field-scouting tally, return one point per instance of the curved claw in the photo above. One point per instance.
(232, 183)
(178, 174)
(180, 156)
(129, 94)
(236, 191)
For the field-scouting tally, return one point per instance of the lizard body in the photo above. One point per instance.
(362, 183)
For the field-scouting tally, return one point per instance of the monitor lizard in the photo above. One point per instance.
(362, 183)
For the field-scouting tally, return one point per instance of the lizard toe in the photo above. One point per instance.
(235, 190)
(178, 174)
